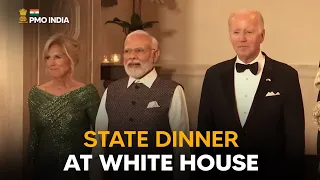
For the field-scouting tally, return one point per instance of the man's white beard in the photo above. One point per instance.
(138, 72)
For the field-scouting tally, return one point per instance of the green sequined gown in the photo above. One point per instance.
(57, 127)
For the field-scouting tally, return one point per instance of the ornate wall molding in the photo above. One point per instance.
(306, 71)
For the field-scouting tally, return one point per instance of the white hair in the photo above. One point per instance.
(154, 41)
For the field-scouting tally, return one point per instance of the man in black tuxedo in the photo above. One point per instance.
(257, 97)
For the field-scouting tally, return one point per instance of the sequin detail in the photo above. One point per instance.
(57, 127)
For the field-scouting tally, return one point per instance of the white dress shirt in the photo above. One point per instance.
(246, 85)
(178, 119)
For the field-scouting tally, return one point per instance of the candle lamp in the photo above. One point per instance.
(115, 58)
(105, 59)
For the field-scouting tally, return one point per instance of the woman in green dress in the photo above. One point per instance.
(61, 111)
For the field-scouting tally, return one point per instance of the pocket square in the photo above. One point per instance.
(153, 104)
(272, 94)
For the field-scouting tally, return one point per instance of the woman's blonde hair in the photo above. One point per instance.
(69, 45)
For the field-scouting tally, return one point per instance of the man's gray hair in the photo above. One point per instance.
(154, 41)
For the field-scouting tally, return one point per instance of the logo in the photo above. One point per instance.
(35, 18)
(23, 16)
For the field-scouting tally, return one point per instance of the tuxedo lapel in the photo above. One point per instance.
(227, 79)
(263, 88)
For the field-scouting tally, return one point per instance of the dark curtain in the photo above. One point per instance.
(109, 3)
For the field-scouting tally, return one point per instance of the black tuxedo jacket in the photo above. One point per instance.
(275, 127)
